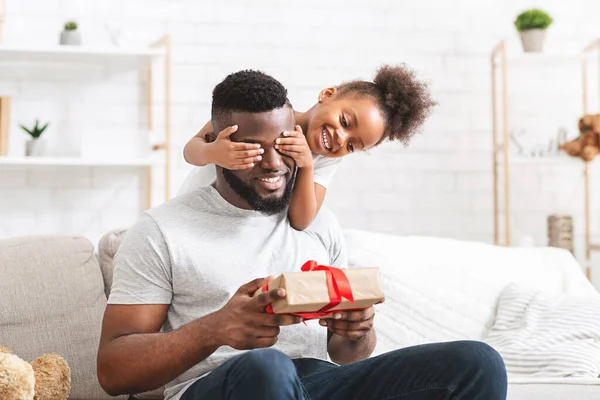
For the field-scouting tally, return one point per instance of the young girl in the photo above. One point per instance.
(354, 116)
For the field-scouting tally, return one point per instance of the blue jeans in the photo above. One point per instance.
(463, 370)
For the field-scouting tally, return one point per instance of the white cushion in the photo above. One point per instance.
(444, 289)
(563, 390)
(547, 335)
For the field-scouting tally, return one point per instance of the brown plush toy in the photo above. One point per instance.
(46, 378)
(587, 145)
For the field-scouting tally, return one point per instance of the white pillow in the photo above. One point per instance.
(547, 335)
(440, 289)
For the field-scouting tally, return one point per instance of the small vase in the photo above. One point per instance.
(35, 148)
(533, 40)
(70, 38)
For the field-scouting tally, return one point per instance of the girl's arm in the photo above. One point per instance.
(308, 196)
(222, 151)
(307, 199)
(197, 150)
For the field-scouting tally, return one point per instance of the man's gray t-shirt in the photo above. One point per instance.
(194, 251)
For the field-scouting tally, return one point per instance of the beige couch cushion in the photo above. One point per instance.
(53, 301)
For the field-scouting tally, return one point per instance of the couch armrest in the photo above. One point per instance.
(107, 248)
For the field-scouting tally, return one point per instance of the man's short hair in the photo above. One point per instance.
(246, 91)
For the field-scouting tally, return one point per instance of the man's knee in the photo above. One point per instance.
(484, 369)
(475, 369)
(267, 364)
(480, 356)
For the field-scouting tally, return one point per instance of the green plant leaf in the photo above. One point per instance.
(532, 19)
(43, 128)
(26, 130)
(70, 26)
(37, 130)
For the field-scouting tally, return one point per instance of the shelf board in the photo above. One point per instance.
(544, 57)
(81, 54)
(534, 59)
(75, 161)
(548, 161)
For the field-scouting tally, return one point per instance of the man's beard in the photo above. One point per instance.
(254, 200)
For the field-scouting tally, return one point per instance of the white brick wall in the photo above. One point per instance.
(440, 185)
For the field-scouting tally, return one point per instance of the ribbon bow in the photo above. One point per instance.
(338, 287)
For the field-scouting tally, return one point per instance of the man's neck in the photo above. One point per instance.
(228, 194)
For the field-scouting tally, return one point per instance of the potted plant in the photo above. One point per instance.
(531, 25)
(70, 35)
(35, 146)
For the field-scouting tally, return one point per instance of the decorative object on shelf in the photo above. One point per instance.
(70, 35)
(4, 124)
(513, 138)
(560, 232)
(587, 145)
(549, 147)
(561, 136)
(114, 33)
(35, 146)
(531, 25)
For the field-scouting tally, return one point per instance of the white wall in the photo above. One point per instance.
(440, 185)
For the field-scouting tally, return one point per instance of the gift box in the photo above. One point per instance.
(317, 291)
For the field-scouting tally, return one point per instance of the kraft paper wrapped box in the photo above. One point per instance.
(309, 291)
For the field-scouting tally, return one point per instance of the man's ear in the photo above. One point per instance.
(210, 137)
(326, 94)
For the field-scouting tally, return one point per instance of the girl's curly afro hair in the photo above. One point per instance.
(405, 102)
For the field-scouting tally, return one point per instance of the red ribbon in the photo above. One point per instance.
(338, 287)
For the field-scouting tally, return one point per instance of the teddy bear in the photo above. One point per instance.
(46, 378)
(587, 145)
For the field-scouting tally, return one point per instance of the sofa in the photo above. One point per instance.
(54, 291)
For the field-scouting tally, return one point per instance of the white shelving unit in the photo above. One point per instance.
(76, 161)
(502, 59)
(563, 161)
(137, 58)
(80, 54)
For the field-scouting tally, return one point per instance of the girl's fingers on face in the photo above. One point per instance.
(245, 146)
(289, 154)
(248, 153)
(291, 133)
(250, 160)
(284, 141)
(291, 148)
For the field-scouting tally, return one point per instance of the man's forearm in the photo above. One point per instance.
(140, 362)
(345, 351)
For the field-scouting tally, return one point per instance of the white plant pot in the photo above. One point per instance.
(35, 148)
(70, 38)
(533, 40)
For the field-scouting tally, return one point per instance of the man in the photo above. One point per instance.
(177, 315)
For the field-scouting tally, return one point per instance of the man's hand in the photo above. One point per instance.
(294, 144)
(354, 325)
(232, 155)
(242, 322)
